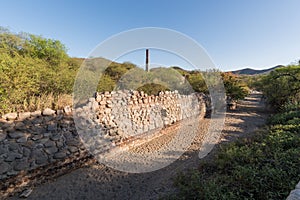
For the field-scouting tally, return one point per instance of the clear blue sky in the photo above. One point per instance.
(236, 33)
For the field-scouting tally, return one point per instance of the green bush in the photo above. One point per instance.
(152, 88)
(31, 67)
(234, 87)
(281, 86)
(265, 166)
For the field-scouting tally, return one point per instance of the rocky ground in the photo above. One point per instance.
(97, 181)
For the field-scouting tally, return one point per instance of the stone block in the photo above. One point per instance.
(11, 156)
(21, 165)
(3, 136)
(48, 112)
(37, 137)
(49, 144)
(40, 156)
(51, 150)
(20, 126)
(60, 155)
(10, 116)
(4, 167)
(16, 134)
(22, 139)
(24, 115)
(37, 113)
(52, 127)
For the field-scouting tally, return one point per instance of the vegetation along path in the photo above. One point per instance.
(97, 181)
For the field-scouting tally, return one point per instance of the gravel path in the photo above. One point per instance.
(101, 182)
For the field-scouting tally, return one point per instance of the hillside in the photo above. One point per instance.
(249, 71)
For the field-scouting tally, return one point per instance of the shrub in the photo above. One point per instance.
(281, 86)
(265, 166)
(152, 88)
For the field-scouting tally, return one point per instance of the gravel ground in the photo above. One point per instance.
(98, 181)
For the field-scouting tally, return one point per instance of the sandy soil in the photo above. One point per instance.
(98, 181)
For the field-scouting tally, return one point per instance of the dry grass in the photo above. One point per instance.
(41, 102)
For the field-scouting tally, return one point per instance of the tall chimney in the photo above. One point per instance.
(147, 60)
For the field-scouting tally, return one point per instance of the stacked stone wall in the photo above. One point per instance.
(35, 140)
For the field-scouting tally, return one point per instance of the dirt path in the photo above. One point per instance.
(100, 182)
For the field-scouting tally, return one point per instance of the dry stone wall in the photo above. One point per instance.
(32, 140)
(125, 114)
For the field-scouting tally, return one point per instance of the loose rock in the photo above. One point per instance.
(10, 116)
(2, 136)
(16, 134)
(24, 115)
(67, 110)
(37, 113)
(4, 167)
(26, 193)
(48, 112)
(60, 155)
(22, 165)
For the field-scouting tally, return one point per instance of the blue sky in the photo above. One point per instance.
(235, 33)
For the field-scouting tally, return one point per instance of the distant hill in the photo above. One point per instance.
(249, 71)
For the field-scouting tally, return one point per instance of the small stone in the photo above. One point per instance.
(15, 135)
(38, 146)
(12, 173)
(98, 98)
(95, 106)
(52, 127)
(4, 167)
(48, 118)
(109, 105)
(48, 112)
(26, 193)
(73, 142)
(39, 156)
(92, 99)
(112, 132)
(26, 152)
(22, 165)
(60, 144)
(13, 156)
(55, 137)
(47, 134)
(10, 116)
(2, 136)
(60, 155)
(3, 176)
(24, 115)
(3, 149)
(37, 137)
(59, 112)
(151, 126)
(7, 125)
(67, 110)
(20, 126)
(37, 121)
(72, 149)
(107, 111)
(37, 113)
(102, 103)
(51, 150)
(22, 140)
(68, 135)
(49, 143)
